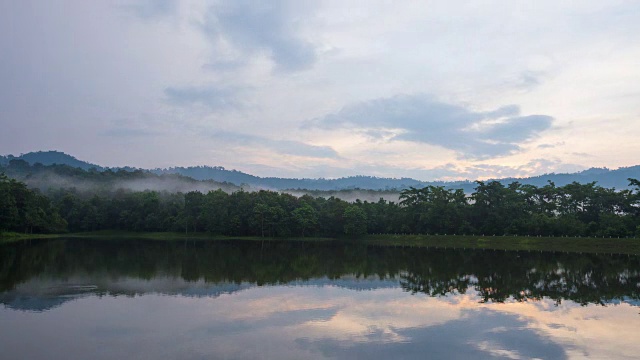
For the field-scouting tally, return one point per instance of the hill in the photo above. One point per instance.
(51, 158)
(219, 173)
(51, 177)
(604, 177)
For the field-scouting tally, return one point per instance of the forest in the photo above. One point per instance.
(492, 209)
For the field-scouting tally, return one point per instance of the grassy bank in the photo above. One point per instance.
(179, 236)
(519, 243)
(6, 237)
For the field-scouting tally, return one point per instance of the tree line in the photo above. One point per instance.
(26, 210)
(492, 209)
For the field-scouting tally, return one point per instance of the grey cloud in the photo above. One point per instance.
(214, 97)
(225, 65)
(128, 132)
(518, 129)
(127, 127)
(546, 146)
(423, 119)
(282, 146)
(509, 110)
(550, 146)
(377, 134)
(259, 26)
(582, 154)
(152, 8)
(528, 80)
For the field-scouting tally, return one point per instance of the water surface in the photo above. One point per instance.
(63, 299)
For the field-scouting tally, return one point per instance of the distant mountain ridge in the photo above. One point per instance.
(345, 183)
(51, 158)
(604, 177)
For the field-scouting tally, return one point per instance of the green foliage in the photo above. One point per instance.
(434, 209)
(305, 217)
(25, 210)
(355, 221)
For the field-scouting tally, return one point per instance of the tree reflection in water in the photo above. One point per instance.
(496, 276)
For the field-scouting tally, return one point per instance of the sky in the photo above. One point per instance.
(434, 90)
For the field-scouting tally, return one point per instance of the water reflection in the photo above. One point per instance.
(312, 300)
(69, 268)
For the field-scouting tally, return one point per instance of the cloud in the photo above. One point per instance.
(147, 9)
(476, 336)
(518, 129)
(582, 154)
(550, 146)
(260, 27)
(288, 147)
(485, 171)
(295, 317)
(528, 80)
(213, 97)
(128, 132)
(132, 128)
(422, 119)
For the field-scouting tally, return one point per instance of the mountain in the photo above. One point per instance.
(221, 174)
(55, 176)
(604, 177)
(50, 158)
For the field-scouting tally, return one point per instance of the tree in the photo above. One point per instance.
(192, 209)
(355, 221)
(261, 214)
(331, 216)
(216, 212)
(23, 209)
(496, 208)
(305, 217)
(9, 216)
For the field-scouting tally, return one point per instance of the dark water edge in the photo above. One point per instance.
(597, 245)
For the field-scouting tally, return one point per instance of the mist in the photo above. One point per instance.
(350, 195)
(49, 180)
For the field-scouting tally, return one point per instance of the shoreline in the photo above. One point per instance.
(629, 246)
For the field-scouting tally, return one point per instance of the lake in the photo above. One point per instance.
(136, 299)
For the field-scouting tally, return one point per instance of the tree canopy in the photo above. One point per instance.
(493, 208)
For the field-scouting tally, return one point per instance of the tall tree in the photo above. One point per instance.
(305, 217)
(355, 221)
